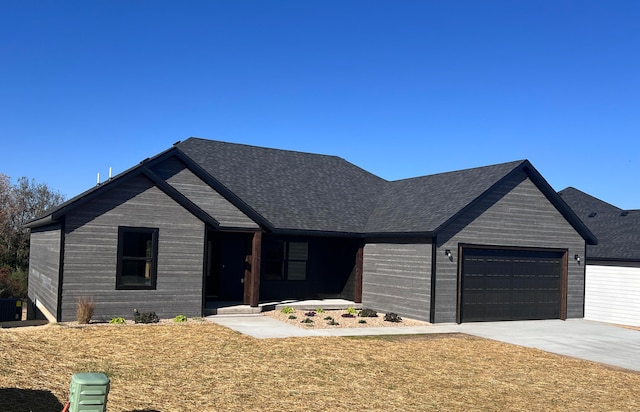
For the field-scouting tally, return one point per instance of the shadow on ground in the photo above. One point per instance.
(28, 400)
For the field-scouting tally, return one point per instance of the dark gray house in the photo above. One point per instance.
(207, 220)
(612, 286)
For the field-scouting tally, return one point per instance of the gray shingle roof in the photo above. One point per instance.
(288, 191)
(618, 231)
(291, 190)
(425, 203)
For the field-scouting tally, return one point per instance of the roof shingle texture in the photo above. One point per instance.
(291, 190)
(423, 204)
(618, 231)
(304, 191)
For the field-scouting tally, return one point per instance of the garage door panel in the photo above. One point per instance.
(510, 284)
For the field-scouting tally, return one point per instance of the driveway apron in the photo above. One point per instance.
(578, 338)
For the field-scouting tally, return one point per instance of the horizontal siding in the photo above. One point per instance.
(515, 214)
(612, 294)
(204, 196)
(91, 246)
(44, 267)
(397, 278)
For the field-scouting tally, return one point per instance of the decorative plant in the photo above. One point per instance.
(293, 317)
(348, 315)
(180, 318)
(307, 320)
(332, 323)
(392, 317)
(118, 321)
(145, 317)
(84, 310)
(319, 310)
(362, 321)
(311, 313)
(287, 309)
(368, 313)
(328, 318)
(352, 311)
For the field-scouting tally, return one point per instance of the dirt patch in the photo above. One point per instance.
(329, 319)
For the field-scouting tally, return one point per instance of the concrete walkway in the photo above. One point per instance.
(594, 341)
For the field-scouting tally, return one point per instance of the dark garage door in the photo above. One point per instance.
(506, 284)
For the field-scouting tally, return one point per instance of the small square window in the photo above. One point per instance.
(137, 258)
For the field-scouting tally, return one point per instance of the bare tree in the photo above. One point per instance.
(20, 203)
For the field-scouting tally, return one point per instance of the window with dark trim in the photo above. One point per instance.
(285, 260)
(137, 258)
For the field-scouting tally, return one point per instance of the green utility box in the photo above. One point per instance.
(88, 392)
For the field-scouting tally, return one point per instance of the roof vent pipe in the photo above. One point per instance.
(109, 172)
(98, 180)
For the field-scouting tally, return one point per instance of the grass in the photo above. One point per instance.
(203, 366)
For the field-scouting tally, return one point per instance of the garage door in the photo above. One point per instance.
(507, 284)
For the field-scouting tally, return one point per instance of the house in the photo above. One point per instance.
(612, 291)
(207, 220)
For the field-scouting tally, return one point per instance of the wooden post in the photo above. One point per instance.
(357, 292)
(256, 248)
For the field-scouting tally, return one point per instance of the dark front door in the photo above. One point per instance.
(227, 254)
(510, 284)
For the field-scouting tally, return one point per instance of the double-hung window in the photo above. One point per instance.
(137, 258)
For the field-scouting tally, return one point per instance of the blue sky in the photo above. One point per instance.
(400, 88)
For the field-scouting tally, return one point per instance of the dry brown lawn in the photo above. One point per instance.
(205, 367)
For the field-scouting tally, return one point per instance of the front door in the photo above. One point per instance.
(226, 255)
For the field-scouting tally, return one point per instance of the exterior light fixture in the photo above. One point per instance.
(577, 258)
(448, 253)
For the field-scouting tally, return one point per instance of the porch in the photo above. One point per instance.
(238, 308)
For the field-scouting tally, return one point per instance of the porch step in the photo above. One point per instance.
(233, 310)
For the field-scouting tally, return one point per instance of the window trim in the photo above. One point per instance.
(122, 231)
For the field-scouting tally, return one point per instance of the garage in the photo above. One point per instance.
(511, 284)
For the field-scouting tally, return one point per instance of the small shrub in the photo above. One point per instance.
(307, 320)
(328, 318)
(84, 310)
(368, 313)
(287, 309)
(293, 317)
(362, 321)
(319, 310)
(310, 314)
(180, 318)
(351, 311)
(392, 317)
(145, 317)
(348, 315)
(13, 283)
(118, 321)
(332, 323)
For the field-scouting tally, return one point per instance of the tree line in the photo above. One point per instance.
(20, 202)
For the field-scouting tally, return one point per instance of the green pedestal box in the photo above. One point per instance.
(88, 392)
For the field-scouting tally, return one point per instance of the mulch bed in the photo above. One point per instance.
(203, 366)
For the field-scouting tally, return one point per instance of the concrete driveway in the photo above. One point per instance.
(594, 341)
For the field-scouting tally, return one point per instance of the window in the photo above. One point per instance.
(286, 260)
(137, 258)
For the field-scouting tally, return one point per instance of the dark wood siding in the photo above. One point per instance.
(91, 254)
(44, 266)
(200, 193)
(514, 214)
(397, 278)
